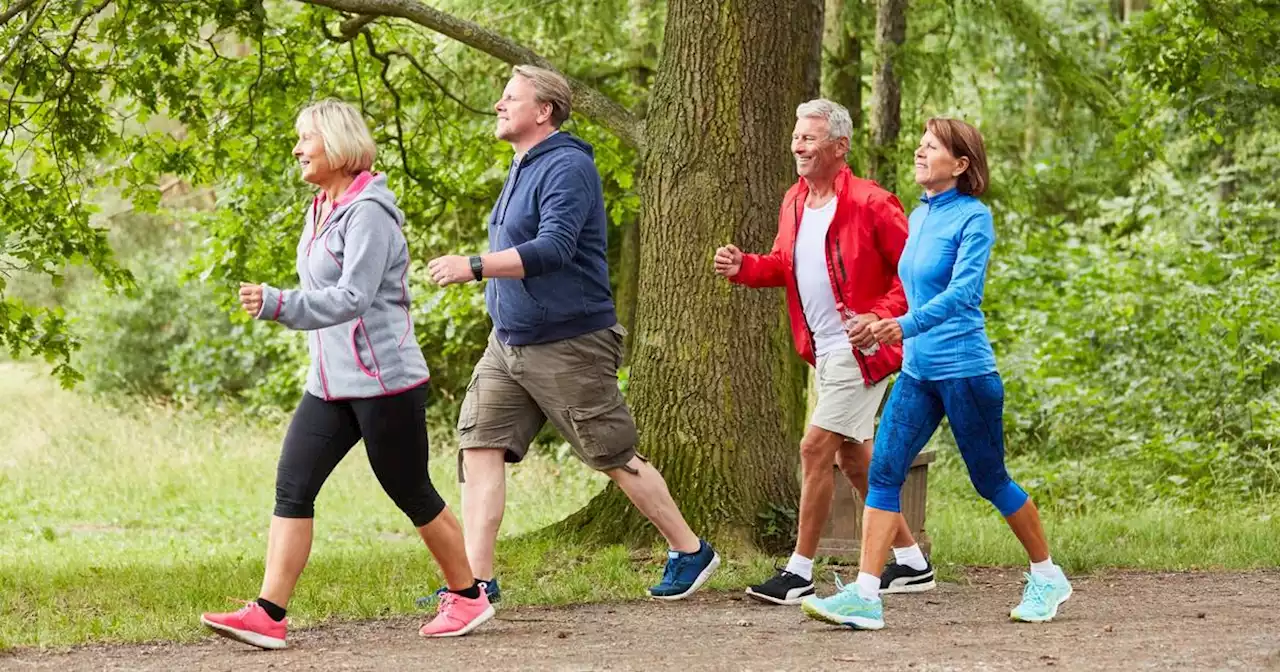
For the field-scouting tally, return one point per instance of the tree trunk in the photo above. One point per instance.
(842, 67)
(628, 281)
(644, 48)
(886, 92)
(716, 387)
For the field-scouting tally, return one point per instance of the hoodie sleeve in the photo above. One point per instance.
(967, 278)
(565, 201)
(369, 236)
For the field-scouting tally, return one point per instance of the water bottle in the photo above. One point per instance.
(848, 319)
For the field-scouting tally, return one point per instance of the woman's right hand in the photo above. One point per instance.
(251, 298)
(728, 261)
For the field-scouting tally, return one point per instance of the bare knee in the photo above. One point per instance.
(818, 451)
(854, 465)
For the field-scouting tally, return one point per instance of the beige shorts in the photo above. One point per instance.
(845, 405)
(572, 383)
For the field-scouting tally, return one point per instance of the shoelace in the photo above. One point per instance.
(1036, 591)
(674, 565)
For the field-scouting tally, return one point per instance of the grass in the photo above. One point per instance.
(122, 523)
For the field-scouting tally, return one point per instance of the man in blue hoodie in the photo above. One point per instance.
(556, 345)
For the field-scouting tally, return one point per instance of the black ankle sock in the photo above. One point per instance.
(275, 612)
(472, 593)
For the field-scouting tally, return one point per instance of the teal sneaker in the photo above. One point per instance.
(1041, 598)
(846, 608)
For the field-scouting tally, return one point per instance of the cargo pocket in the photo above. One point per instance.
(469, 413)
(606, 433)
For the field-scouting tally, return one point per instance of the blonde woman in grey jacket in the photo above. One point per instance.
(367, 378)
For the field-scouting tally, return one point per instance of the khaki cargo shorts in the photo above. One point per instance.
(573, 383)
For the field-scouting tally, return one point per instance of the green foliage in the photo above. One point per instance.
(1209, 65)
(1134, 180)
(172, 338)
(1146, 365)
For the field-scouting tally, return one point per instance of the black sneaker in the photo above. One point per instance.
(490, 588)
(783, 588)
(903, 579)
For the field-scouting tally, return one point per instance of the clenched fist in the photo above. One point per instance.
(251, 298)
(728, 261)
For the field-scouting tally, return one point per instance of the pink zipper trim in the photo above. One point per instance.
(374, 354)
(355, 353)
(388, 393)
(279, 306)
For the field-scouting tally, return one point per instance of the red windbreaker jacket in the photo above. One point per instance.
(866, 238)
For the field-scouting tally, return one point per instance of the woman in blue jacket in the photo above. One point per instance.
(948, 369)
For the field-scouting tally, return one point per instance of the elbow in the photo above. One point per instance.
(540, 257)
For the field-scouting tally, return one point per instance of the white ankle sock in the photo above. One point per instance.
(1047, 569)
(911, 557)
(800, 566)
(868, 586)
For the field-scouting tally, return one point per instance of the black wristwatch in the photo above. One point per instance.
(477, 267)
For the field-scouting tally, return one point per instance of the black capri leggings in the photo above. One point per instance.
(394, 430)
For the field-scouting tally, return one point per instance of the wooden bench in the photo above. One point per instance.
(842, 536)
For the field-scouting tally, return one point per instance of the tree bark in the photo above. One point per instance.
(716, 387)
(886, 91)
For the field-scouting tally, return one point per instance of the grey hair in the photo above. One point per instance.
(839, 124)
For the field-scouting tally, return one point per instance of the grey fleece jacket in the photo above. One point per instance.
(354, 299)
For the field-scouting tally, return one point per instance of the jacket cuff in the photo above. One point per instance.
(908, 324)
(272, 303)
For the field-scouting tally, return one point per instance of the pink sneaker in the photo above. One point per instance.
(250, 625)
(458, 615)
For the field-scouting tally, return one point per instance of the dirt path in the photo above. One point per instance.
(1115, 621)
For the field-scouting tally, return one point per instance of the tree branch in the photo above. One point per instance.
(603, 109)
(16, 9)
(26, 30)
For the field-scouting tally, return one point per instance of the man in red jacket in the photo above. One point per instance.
(839, 239)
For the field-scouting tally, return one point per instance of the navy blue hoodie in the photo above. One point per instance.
(551, 211)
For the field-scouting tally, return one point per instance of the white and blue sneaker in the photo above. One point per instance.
(847, 607)
(1041, 598)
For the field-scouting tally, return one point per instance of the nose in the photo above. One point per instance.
(497, 107)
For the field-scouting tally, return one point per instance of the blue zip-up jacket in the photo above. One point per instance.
(943, 270)
(551, 211)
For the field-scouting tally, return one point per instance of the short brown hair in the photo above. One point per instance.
(963, 140)
(551, 87)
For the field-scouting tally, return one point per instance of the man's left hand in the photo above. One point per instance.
(859, 335)
(450, 270)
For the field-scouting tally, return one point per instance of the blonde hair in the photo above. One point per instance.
(347, 140)
(551, 87)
